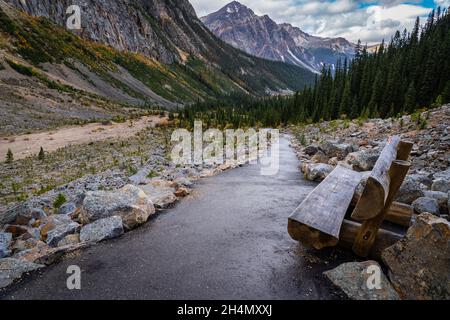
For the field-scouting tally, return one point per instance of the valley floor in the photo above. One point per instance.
(23, 146)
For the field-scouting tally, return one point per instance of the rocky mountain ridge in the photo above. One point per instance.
(239, 26)
(137, 52)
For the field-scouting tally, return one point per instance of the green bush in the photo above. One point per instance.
(59, 201)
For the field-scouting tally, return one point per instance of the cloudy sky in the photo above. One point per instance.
(368, 20)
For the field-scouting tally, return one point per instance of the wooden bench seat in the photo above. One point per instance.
(324, 210)
(320, 220)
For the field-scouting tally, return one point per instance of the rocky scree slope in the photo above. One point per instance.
(239, 26)
(151, 51)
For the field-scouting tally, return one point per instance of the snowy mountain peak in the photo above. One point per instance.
(239, 26)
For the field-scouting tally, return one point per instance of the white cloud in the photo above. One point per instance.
(368, 20)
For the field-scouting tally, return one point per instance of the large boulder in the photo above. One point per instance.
(354, 278)
(12, 269)
(102, 229)
(130, 203)
(425, 204)
(441, 184)
(419, 263)
(55, 235)
(409, 191)
(363, 160)
(334, 149)
(161, 194)
(316, 171)
(5, 242)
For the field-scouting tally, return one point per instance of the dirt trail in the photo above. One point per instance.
(26, 145)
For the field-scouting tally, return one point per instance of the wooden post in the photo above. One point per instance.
(404, 150)
(368, 232)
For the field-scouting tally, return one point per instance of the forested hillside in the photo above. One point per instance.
(412, 71)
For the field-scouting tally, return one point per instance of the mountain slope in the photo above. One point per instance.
(239, 26)
(154, 51)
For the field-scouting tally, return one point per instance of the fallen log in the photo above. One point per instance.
(384, 239)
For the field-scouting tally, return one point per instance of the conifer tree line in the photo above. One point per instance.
(412, 71)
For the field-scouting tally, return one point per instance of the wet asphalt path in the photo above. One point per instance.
(228, 240)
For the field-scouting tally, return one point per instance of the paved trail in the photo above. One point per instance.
(226, 241)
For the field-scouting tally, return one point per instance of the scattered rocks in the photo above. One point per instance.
(354, 279)
(424, 204)
(12, 269)
(316, 171)
(130, 203)
(419, 263)
(102, 229)
(5, 242)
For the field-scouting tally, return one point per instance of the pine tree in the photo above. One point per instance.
(41, 154)
(410, 99)
(9, 156)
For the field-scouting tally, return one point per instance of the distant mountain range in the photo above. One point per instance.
(135, 51)
(240, 27)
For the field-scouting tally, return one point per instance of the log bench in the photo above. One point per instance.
(334, 214)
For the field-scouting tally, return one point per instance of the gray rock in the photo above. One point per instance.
(130, 203)
(339, 150)
(162, 197)
(421, 179)
(316, 171)
(419, 263)
(12, 269)
(441, 184)
(363, 160)
(424, 204)
(184, 182)
(353, 279)
(5, 242)
(68, 209)
(409, 191)
(102, 229)
(60, 232)
(311, 150)
(25, 217)
(320, 157)
(441, 198)
(70, 240)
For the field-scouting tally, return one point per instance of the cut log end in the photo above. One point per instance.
(309, 237)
